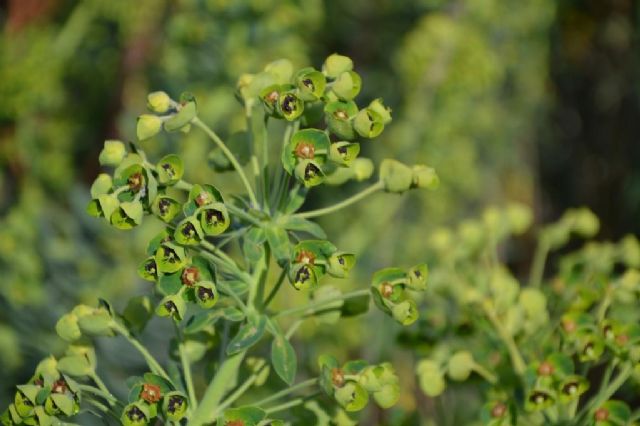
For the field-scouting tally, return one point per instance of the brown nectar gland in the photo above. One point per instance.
(545, 369)
(601, 414)
(569, 325)
(306, 257)
(386, 289)
(202, 199)
(205, 293)
(337, 377)
(136, 181)
(234, 423)
(305, 150)
(150, 393)
(190, 276)
(498, 410)
(59, 386)
(622, 339)
(272, 97)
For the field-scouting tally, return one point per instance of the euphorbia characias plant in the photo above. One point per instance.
(204, 291)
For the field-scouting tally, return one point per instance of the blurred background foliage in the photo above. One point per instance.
(535, 102)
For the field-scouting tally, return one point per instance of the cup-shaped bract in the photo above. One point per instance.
(417, 277)
(128, 215)
(368, 123)
(339, 117)
(290, 106)
(166, 208)
(214, 219)
(424, 177)
(307, 144)
(172, 306)
(571, 388)
(135, 414)
(310, 83)
(340, 263)
(170, 169)
(431, 377)
(174, 405)
(101, 185)
(206, 294)
(169, 257)
(383, 111)
(309, 172)
(460, 365)
(302, 276)
(344, 153)
(352, 396)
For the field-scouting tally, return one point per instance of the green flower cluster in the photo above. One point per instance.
(150, 397)
(314, 258)
(48, 395)
(352, 383)
(391, 287)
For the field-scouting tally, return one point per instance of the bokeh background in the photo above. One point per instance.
(536, 101)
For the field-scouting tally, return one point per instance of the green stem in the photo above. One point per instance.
(216, 390)
(98, 381)
(311, 307)
(537, 267)
(240, 390)
(485, 373)
(284, 406)
(244, 215)
(151, 361)
(186, 372)
(276, 396)
(275, 288)
(229, 292)
(98, 392)
(232, 158)
(519, 365)
(605, 394)
(345, 203)
(183, 185)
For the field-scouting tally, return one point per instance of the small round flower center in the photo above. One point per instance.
(202, 199)
(272, 97)
(59, 386)
(190, 276)
(305, 150)
(386, 289)
(135, 181)
(150, 393)
(341, 114)
(289, 103)
(622, 339)
(306, 257)
(601, 414)
(308, 84)
(569, 325)
(545, 369)
(214, 217)
(205, 293)
(337, 377)
(498, 410)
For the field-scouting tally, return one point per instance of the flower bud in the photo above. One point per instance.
(368, 123)
(424, 177)
(158, 102)
(67, 328)
(431, 378)
(395, 176)
(281, 70)
(129, 215)
(96, 323)
(112, 153)
(461, 365)
(336, 64)
(362, 169)
(384, 112)
(347, 85)
(101, 186)
(148, 126)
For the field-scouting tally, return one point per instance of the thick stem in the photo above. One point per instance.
(238, 392)
(232, 159)
(216, 390)
(345, 203)
(537, 268)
